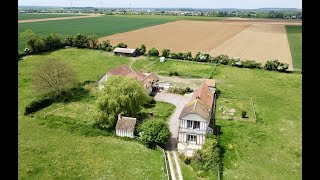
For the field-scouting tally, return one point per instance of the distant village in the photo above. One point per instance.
(287, 13)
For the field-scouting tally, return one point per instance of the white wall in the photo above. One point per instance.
(124, 133)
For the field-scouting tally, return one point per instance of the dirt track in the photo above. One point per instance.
(59, 18)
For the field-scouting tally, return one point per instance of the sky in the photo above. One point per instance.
(210, 4)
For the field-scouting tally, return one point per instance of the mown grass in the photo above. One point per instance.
(100, 26)
(295, 41)
(25, 16)
(269, 149)
(59, 142)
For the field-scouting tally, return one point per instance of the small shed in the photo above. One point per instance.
(125, 126)
(162, 59)
(125, 52)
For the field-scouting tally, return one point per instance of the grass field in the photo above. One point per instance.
(25, 16)
(268, 149)
(100, 26)
(58, 143)
(295, 41)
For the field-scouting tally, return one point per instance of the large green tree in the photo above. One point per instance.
(120, 95)
(53, 76)
(154, 132)
(33, 41)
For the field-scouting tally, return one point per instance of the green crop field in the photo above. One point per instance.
(174, 18)
(100, 26)
(295, 41)
(26, 16)
(58, 143)
(271, 148)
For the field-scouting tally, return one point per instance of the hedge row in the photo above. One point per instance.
(274, 65)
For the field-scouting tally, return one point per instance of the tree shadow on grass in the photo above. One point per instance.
(72, 95)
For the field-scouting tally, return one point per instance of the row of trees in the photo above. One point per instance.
(274, 65)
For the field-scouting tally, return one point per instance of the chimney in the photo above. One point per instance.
(119, 116)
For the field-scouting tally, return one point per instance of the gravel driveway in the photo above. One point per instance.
(179, 101)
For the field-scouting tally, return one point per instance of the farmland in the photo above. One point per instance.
(26, 16)
(259, 41)
(100, 26)
(295, 41)
(58, 141)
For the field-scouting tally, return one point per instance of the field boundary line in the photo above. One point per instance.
(165, 160)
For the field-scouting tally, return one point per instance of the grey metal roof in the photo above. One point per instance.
(124, 50)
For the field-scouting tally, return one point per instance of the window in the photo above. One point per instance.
(189, 124)
(193, 124)
(196, 125)
(192, 138)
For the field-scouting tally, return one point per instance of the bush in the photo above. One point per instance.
(80, 41)
(179, 90)
(122, 45)
(202, 57)
(105, 45)
(251, 64)
(37, 105)
(27, 51)
(244, 114)
(187, 56)
(174, 55)
(165, 53)
(275, 65)
(155, 132)
(53, 41)
(222, 59)
(187, 161)
(153, 52)
(141, 50)
(175, 73)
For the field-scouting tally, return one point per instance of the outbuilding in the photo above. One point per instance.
(162, 59)
(125, 52)
(125, 126)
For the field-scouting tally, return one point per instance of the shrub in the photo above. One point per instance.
(80, 40)
(154, 132)
(153, 52)
(187, 56)
(238, 63)
(222, 59)
(187, 161)
(244, 114)
(165, 53)
(33, 41)
(275, 65)
(175, 73)
(202, 57)
(27, 51)
(189, 90)
(174, 55)
(251, 64)
(122, 45)
(177, 90)
(141, 50)
(180, 55)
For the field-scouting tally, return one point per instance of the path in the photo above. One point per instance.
(59, 18)
(179, 101)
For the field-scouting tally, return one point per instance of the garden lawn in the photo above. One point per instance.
(100, 26)
(271, 147)
(25, 16)
(295, 41)
(58, 141)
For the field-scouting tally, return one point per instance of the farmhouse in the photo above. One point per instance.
(195, 118)
(125, 52)
(148, 81)
(125, 126)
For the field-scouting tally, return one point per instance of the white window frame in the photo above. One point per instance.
(192, 139)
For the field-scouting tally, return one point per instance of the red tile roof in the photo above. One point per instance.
(210, 82)
(196, 106)
(122, 70)
(204, 94)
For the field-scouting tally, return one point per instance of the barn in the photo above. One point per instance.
(125, 52)
(125, 126)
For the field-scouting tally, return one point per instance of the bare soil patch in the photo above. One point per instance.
(259, 42)
(181, 36)
(59, 18)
